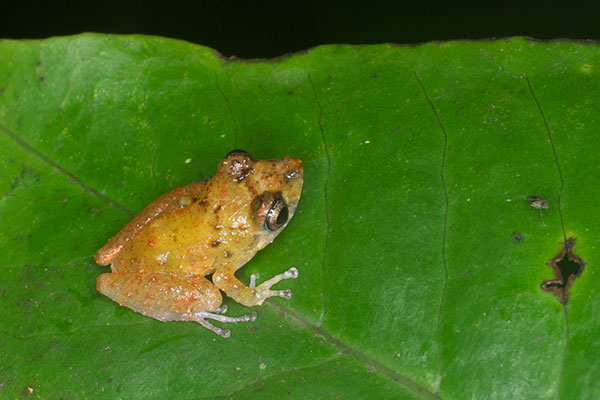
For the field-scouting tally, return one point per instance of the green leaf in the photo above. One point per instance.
(418, 163)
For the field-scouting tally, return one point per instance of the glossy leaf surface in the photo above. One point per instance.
(419, 254)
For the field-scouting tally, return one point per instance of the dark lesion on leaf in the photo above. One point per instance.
(567, 267)
(517, 237)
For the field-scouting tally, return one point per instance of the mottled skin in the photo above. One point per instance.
(159, 261)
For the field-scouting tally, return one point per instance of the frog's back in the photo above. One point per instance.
(181, 242)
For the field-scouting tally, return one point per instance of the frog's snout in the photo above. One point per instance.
(294, 168)
(293, 173)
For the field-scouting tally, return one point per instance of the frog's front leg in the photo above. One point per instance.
(165, 204)
(251, 295)
(169, 298)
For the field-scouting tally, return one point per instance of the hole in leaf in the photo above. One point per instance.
(567, 267)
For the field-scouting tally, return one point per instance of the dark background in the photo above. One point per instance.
(252, 29)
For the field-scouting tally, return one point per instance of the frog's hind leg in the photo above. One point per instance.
(166, 204)
(169, 297)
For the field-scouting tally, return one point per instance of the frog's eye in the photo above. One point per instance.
(277, 215)
(271, 210)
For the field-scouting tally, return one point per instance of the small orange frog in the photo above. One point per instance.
(160, 260)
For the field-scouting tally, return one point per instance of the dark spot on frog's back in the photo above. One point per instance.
(240, 164)
(216, 243)
(243, 174)
(217, 209)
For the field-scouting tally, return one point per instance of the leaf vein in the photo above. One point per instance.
(357, 355)
(153, 168)
(444, 230)
(325, 195)
(562, 224)
(549, 133)
(260, 379)
(72, 178)
(229, 110)
(74, 331)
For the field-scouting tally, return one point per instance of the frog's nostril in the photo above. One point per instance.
(290, 173)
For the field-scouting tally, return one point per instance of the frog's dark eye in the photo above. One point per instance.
(271, 210)
(277, 215)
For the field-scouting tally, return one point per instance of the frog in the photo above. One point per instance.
(177, 255)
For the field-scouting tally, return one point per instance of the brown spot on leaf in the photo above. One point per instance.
(567, 267)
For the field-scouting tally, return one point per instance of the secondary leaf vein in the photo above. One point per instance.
(260, 379)
(357, 355)
(549, 133)
(72, 178)
(325, 194)
(153, 168)
(444, 230)
(562, 224)
(229, 110)
(564, 353)
(75, 331)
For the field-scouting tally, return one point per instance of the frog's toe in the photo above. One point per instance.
(200, 317)
(221, 310)
(286, 294)
(253, 279)
(224, 333)
(291, 273)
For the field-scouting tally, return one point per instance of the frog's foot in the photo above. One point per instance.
(200, 317)
(251, 295)
(264, 289)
